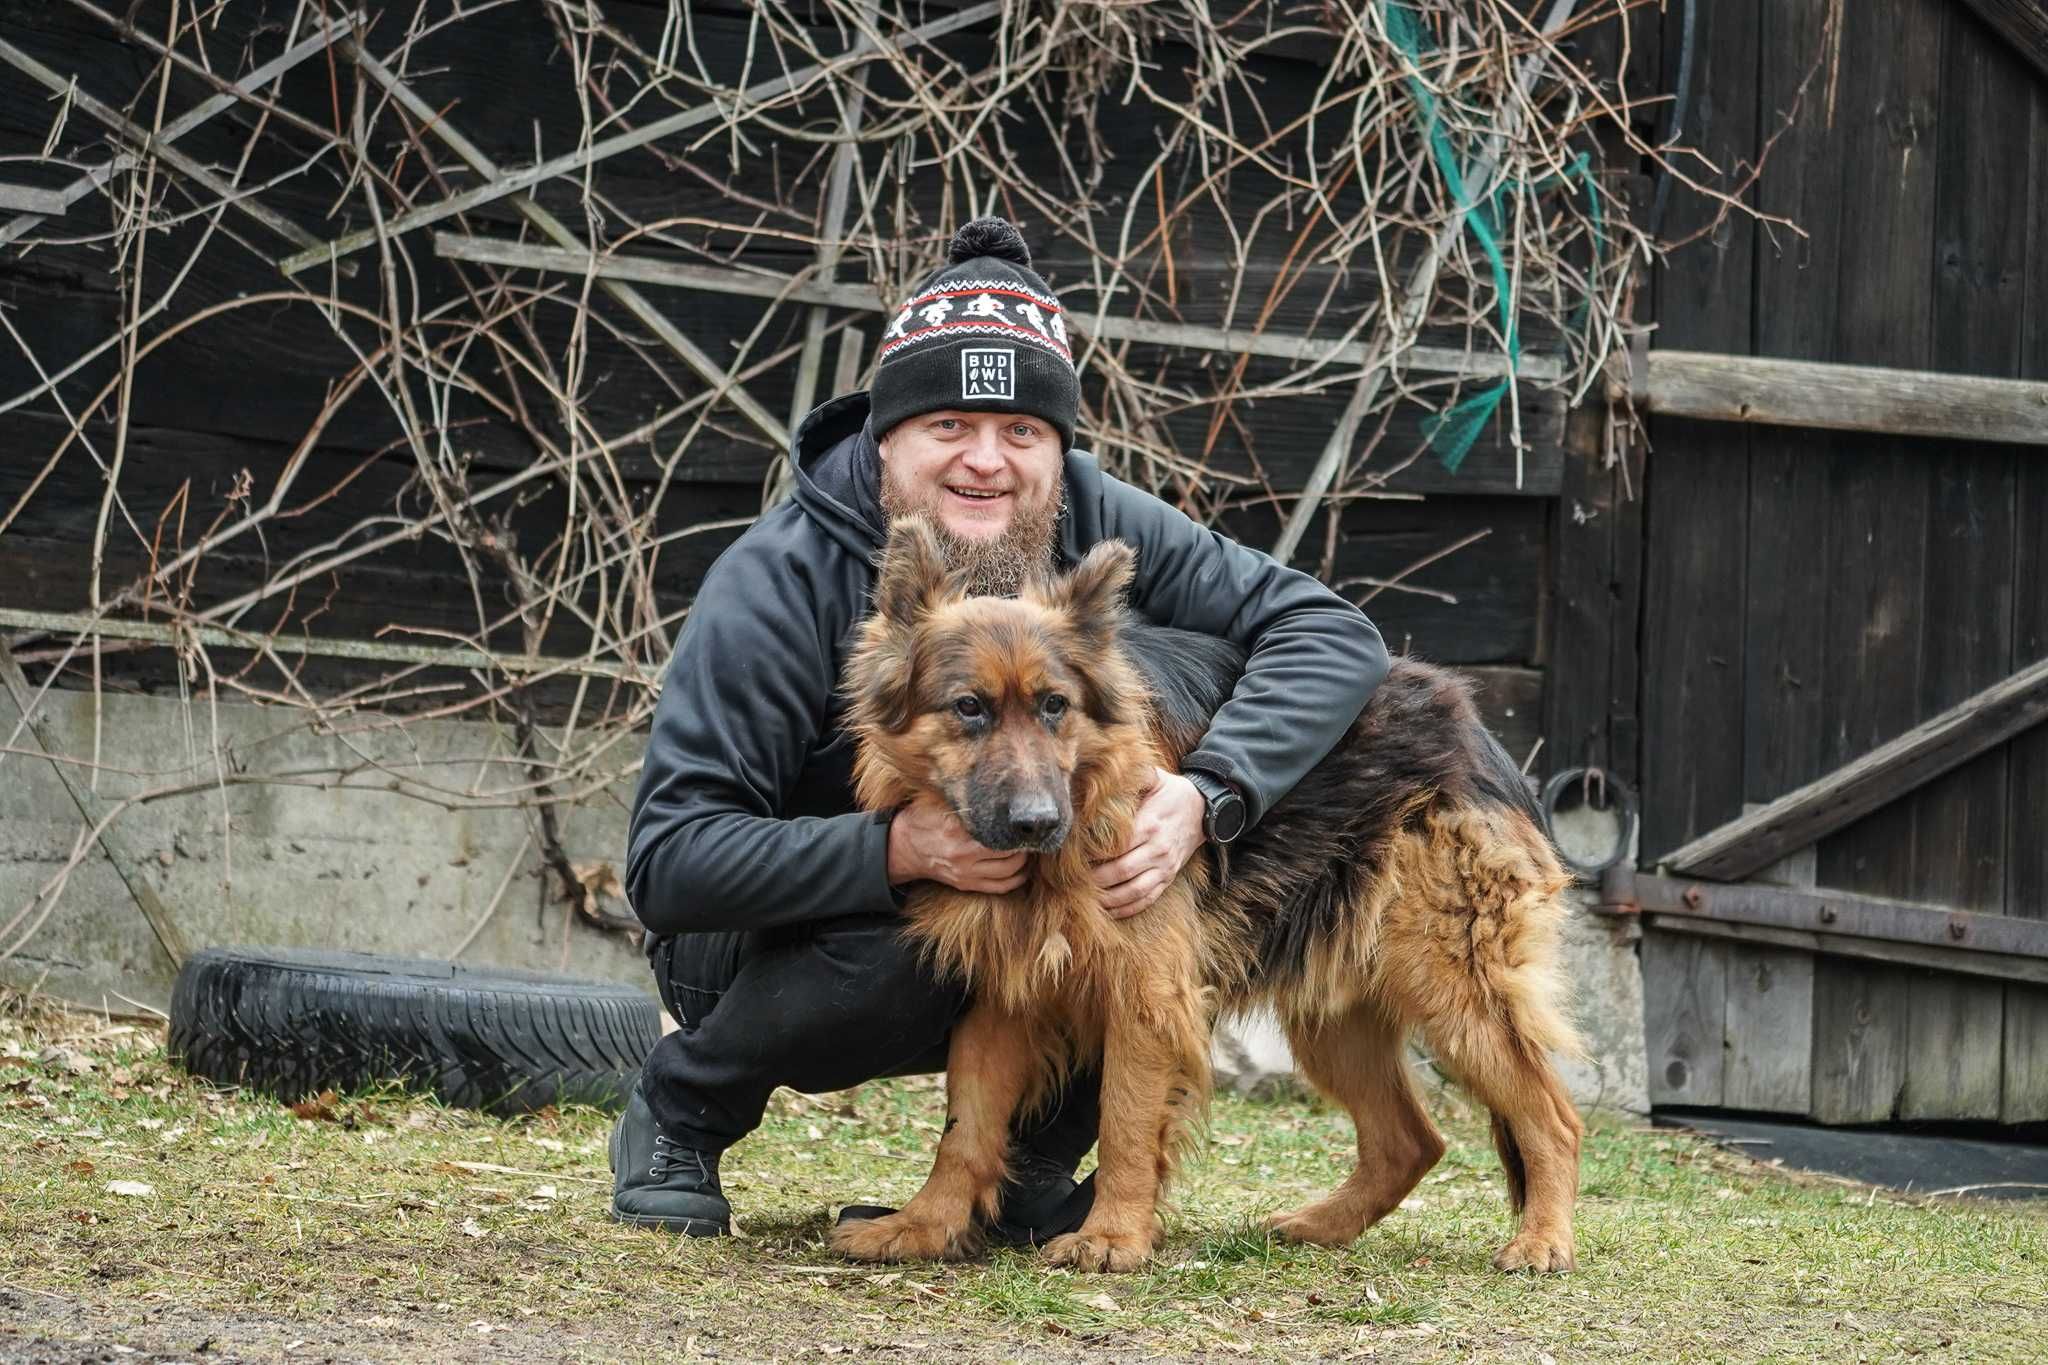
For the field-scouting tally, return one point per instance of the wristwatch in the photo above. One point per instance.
(1224, 818)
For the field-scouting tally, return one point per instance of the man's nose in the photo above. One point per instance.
(985, 455)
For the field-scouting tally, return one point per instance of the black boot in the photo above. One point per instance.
(658, 1183)
(1038, 1202)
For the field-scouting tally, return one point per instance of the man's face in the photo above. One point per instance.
(991, 481)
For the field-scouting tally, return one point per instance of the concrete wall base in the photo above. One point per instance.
(352, 863)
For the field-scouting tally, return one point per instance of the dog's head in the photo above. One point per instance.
(999, 706)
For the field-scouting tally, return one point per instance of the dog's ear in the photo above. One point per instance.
(1092, 596)
(913, 577)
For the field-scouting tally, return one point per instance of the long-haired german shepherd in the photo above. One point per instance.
(1404, 884)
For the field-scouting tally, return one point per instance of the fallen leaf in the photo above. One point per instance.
(80, 1167)
(64, 1059)
(472, 1228)
(134, 1189)
(317, 1108)
(1103, 1302)
(151, 1124)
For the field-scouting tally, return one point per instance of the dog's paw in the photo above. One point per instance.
(1317, 1224)
(1097, 1251)
(901, 1238)
(1537, 1250)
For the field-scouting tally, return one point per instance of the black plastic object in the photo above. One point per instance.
(292, 1023)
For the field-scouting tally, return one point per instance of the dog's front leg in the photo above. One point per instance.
(989, 1065)
(1147, 1089)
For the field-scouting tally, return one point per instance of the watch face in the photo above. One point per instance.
(1226, 818)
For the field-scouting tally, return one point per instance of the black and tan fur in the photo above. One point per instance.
(1404, 885)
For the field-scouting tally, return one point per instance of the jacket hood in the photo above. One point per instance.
(839, 471)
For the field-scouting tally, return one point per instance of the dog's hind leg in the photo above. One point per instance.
(991, 1065)
(1357, 1060)
(1474, 962)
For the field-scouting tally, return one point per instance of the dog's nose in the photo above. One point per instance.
(1033, 817)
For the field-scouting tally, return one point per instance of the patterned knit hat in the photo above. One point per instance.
(983, 334)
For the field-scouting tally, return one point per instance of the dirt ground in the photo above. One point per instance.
(146, 1215)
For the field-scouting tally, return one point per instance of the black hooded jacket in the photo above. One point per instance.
(745, 819)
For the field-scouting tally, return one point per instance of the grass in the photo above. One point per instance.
(382, 1226)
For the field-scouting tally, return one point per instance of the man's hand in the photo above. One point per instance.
(1165, 835)
(927, 842)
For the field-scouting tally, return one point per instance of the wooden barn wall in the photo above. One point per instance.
(1810, 595)
(237, 394)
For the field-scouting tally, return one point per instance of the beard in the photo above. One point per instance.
(998, 566)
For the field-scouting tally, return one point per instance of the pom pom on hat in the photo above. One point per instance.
(989, 237)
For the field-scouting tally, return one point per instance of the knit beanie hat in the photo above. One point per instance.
(983, 334)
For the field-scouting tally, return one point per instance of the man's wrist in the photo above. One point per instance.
(1224, 812)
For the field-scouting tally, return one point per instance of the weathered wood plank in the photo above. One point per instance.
(1889, 90)
(1511, 703)
(2005, 967)
(1796, 393)
(2021, 23)
(1697, 473)
(1881, 776)
(1955, 1029)
(1784, 656)
(2025, 1095)
(1842, 912)
(1859, 1041)
(2027, 865)
(1578, 650)
(1769, 1030)
(1685, 982)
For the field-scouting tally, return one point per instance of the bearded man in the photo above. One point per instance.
(771, 902)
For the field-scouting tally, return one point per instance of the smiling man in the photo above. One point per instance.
(771, 902)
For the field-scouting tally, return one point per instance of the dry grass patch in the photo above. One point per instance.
(141, 1207)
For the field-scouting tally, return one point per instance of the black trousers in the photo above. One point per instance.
(815, 1007)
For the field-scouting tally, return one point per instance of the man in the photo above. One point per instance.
(770, 901)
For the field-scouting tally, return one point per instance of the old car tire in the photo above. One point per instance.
(292, 1023)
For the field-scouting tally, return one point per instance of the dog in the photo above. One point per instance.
(1404, 885)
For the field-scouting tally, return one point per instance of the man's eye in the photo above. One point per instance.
(1024, 429)
(947, 423)
(969, 708)
(1053, 707)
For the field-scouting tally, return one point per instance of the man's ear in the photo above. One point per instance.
(1092, 596)
(913, 577)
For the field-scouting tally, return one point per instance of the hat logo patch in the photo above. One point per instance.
(988, 372)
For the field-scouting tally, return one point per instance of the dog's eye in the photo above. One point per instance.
(1053, 707)
(969, 708)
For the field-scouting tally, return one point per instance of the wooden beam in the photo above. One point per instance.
(768, 284)
(632, 300)
(1809, 813)
(1844, 913)
(185, 123)
(126, 859)
(1808, 393)
(512, 182)
(2022, 23)
(1997, 966)
(80, 625)
(238, 197)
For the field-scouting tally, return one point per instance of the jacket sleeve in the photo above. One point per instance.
(1313, 659)
(747, 694)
